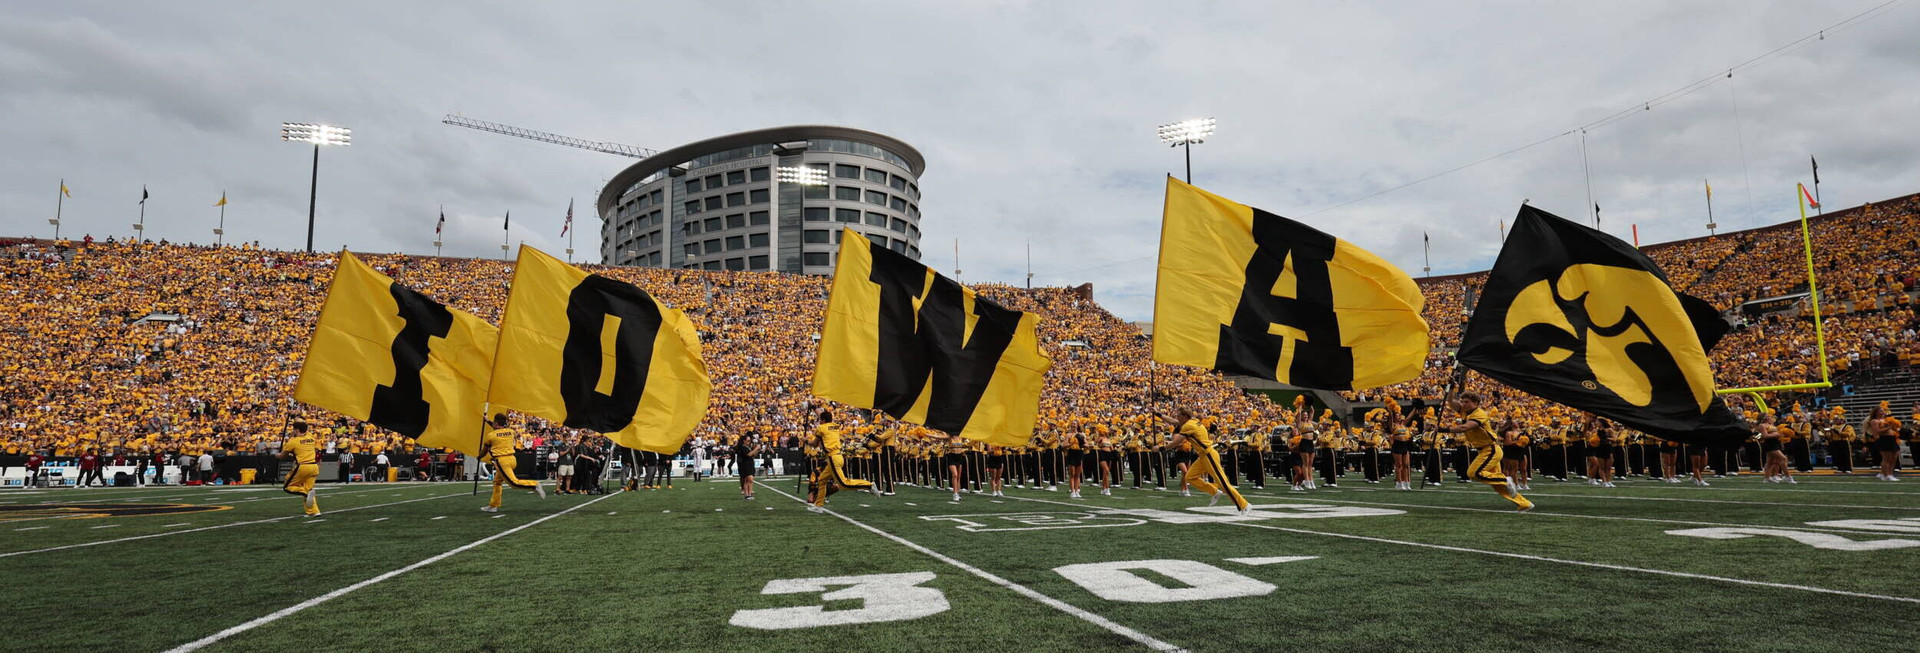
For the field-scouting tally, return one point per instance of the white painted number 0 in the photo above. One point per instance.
(887, 597)
(1115, 581)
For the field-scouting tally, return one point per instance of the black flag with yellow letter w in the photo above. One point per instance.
(1574, 315)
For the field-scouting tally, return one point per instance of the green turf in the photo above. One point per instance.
(666, 570)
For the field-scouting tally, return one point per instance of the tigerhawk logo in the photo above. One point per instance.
(1635, 326)
(97, 510)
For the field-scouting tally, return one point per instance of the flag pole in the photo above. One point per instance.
(59, 202)
(1711, 225)
(220, 235)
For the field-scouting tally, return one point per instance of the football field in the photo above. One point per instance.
(1829, 564)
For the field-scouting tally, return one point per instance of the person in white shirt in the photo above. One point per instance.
(380, 462)
(206, 467)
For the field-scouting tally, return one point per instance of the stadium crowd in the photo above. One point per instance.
(140, 350)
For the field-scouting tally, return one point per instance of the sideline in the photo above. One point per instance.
(217, 527)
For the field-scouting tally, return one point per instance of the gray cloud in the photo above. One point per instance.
(1036, 117)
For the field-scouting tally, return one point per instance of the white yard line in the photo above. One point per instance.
(216, 527)
(1678, 499)
(1531, 514)
(1083, 615)
(329, 596)
(1580, 563)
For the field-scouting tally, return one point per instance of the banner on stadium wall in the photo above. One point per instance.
(901, 339)
(390, 356)
(1245, 291)
(597, 353)
(1577, 316)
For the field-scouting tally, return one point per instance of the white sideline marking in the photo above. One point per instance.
(314, 521)
(31, 528)
(438, 518)
(95, 528)
(378, 519)
(1596, 565)
(1022, 590)
(1744, 503)
(284, 612)
(176, 525)
(1532, 514)
(498, 516)
(209, 528)
(1270, 561)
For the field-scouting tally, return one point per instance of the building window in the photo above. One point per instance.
(757, 262)
(846, 215)
(693, 207)
(736, 177)
(847, 193)
(914, 252)
(818, 214)
(736, 243)
(657, 219)
(736, 199)
(710, 265)
(757, 174)
(693, 185)
(817, 259)
(713, 246)
(814, 192)
(897, 204)
(899, 225)
(659, 196)
(757, 218)
(736, 221)
(898, 183)
(816, 236)
(876, 219)
(757, 196)
(897, 245)
(692, 249)
(757, 240)
(876, 176)
(692, 227)
(653, 259)
(713, 181)
(713, 225)
(736, 264)
(845, 171)
(873, 197)
(713, 203)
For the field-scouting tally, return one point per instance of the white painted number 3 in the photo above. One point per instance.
(886, 597)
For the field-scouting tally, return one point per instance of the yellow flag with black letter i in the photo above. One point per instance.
(1245, 291)
(388, 355)
(901, 339)
(597, 353)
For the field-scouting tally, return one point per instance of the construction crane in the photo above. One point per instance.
(621, 149)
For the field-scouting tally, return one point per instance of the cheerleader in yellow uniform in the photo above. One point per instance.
(306, 459)
(497, 449)
(1206, 463)
(1485, 468)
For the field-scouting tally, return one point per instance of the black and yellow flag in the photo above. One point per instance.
(596, 353)
(1245, 291)
(390, 356)
(1574, 315)
(901, 339)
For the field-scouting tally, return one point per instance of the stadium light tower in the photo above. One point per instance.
(1184, 134)
(802, 176)
(318, 135)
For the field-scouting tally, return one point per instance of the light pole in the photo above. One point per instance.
(1184, 134)
(802, 176)
(318, 135)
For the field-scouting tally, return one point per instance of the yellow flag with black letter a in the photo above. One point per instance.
(596, 353)
(1245, 291)
(901, 339)
(390, 356)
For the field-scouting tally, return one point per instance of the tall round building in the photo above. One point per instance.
(719, 204)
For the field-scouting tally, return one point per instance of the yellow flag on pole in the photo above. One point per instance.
(390, 356)
(596, 353)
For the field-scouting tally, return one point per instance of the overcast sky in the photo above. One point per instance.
(1037, 119)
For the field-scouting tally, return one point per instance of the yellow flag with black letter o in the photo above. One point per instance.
(597, 353)
(901, 339)
(386, 354)
(1245, 291)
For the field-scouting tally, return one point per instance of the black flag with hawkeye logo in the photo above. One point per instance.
(1579, 317)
